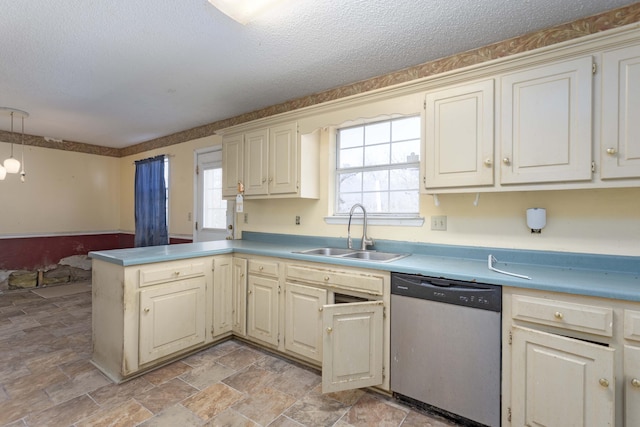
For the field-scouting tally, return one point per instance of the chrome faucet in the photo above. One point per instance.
(366, 241)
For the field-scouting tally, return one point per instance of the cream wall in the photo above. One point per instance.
(64, 192)
(181, 177)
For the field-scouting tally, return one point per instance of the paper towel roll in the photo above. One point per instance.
(536, 218)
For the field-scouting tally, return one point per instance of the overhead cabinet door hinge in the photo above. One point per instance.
(594, 68)
(510, 337)
(197, 169)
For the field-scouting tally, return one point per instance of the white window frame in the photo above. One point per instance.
(390, 219)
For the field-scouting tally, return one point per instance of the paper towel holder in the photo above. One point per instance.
(536, 219)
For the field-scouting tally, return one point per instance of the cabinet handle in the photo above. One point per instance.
(146, 310)
(329, 329)
(558, 315)
(488, 162)
(611, 151)
(635, 382)
(604, 382)
(506, 161)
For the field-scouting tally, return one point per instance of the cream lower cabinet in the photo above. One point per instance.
(560, 382)
(263, 301)
(172, 318)
(239, 297)
(336, 316)
(222, 295)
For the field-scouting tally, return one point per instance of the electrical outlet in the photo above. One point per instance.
(297, 219)
(189, 216)
(439, 223)
(246, 218)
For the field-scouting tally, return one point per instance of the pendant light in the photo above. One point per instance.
(12, 165)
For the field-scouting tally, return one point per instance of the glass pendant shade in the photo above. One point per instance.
(3, 173)
(12, 165)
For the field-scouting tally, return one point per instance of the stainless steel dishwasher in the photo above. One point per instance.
(446, 347)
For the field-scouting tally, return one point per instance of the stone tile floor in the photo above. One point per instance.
(46, 379)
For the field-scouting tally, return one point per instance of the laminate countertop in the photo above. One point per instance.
(606, 276)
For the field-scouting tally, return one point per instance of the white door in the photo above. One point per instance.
(214, 217)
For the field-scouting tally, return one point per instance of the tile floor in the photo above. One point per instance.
(46, 379)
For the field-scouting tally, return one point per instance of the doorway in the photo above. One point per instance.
(214, 216)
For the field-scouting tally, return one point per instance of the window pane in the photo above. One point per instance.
(408, 179)
(405, 152)
(408, 128)
(347, 200)
(377, 202)
(375, 181)
(350, 158)
(377, 155)
(350, 182)
(377, 133)
(351, 137)
(404, 201)
(214, 213)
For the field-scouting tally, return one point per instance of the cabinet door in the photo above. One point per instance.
(459, 136)
(303, 320)
(560, 382)
(172, 318)
(631, 385)
(262, 306)
(620, 141)
(222, 295)
(546, 123)
(283, 159)
(256, 162)
(352, 345)
(232, 164)
(239, 296)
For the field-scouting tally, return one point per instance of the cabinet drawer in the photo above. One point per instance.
(168, 272)
(264, 268)
(632, 325)
(567, 315)
(370, 283)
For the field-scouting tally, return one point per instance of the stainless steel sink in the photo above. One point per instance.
(374, 256)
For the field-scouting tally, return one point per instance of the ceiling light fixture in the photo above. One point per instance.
(12, 165)
(242, 11)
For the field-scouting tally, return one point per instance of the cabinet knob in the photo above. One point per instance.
(326, 278)
(635, 382)
(506, 161)
(177, 273)
(488, 162)
(329, 329)
(261, 268)
(264, 180)
(250, 292)
(146, 310)
(611, 151)
(270, 180)
(604, 382)
(320, 310)
(558, 315)
(241, 274)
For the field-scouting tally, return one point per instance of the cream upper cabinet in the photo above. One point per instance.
(546, 122)
(222, 295)
(459, 136)
(256, 162)
(172, 318)
(283, 159)
(239, 296)
(303, 320)
(620, 139)
(560, 382)
(353, 346)
(274, 162)
(232, 164)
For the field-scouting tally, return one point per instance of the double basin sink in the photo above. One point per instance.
(374, 256)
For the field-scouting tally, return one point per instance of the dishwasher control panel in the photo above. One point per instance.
(468, 294)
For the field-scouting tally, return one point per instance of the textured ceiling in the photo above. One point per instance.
(120, 72)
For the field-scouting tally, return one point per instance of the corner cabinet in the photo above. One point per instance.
(271, 162)
(620, 140)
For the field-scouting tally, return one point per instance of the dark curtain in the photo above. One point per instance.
(151, 203)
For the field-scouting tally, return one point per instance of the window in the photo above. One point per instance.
(378, 165)
(214, 213)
